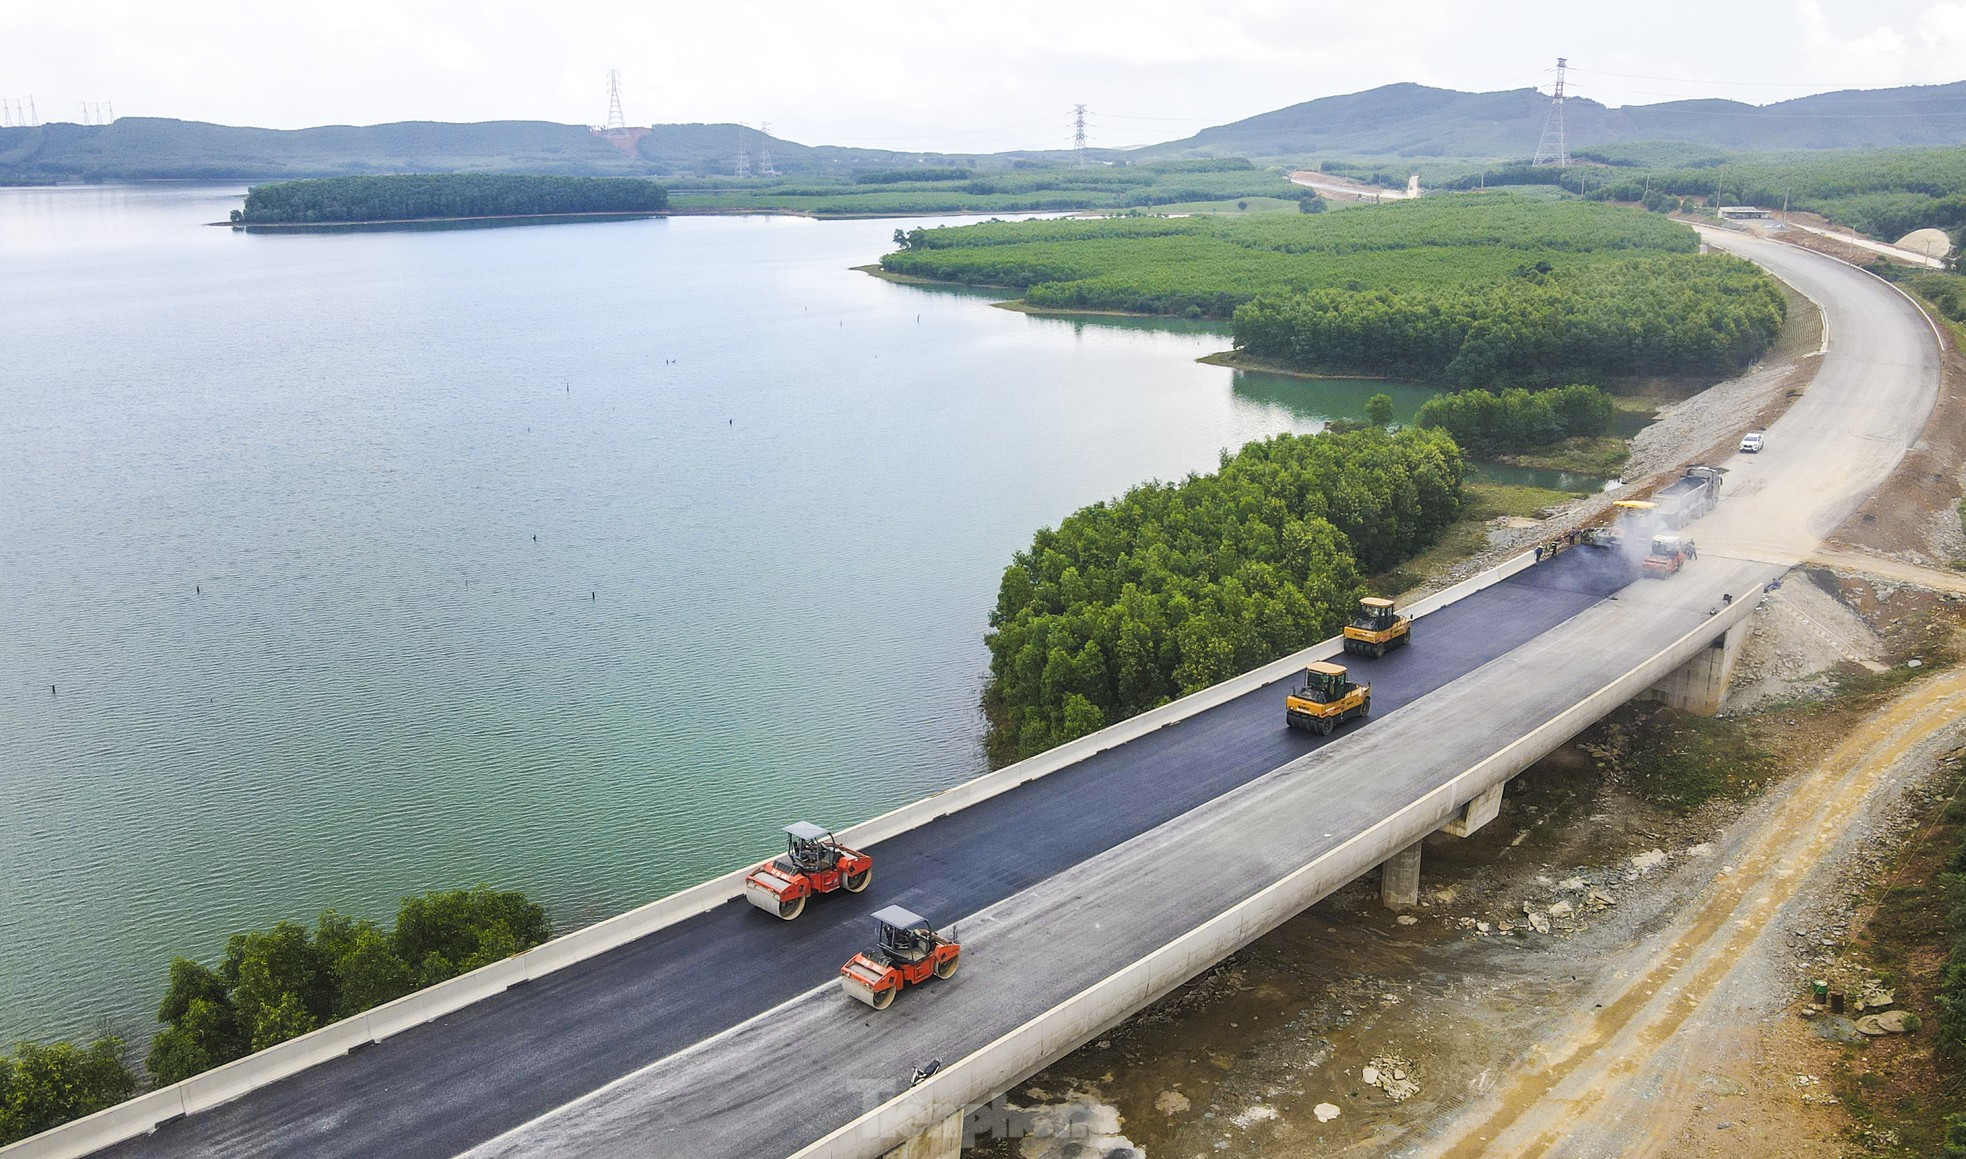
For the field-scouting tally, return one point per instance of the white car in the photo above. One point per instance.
(1751, 444)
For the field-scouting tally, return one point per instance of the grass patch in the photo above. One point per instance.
(1911, 1096)
(1679, 762)
(1248, 205)
(1603, 456)
(1487, 501)
(1861, 684)
(1468, 535)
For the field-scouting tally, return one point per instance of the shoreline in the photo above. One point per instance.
(630, 215)
(409, 222)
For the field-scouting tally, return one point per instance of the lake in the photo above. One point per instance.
(576, 559)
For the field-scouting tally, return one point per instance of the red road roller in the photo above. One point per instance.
(909, 951)
(814, 862)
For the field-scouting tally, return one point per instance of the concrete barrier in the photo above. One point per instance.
(222, 1084)
(979, 1077)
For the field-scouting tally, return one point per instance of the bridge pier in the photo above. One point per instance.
(1476, 813)
(942, 1141)
(1399, 878)
(1699, 685)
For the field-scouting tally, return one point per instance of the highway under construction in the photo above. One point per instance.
(1083, 894)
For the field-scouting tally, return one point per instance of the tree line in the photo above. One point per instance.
(1484, 423)
(269, 986)
(422, 196)
(1680, 314)
(1886, 193)
(1176, 586)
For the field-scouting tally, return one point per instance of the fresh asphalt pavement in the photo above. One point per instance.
(468, 1076)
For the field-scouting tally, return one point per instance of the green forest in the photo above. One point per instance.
(1176, 586)
(1485, 423)
(424, 196)
(1703, 315)
(1030, 187)
(269, 986)
(1470, 290)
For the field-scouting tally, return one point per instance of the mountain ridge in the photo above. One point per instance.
(1401, 120)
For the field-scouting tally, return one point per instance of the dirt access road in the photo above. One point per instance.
(1677, 1018)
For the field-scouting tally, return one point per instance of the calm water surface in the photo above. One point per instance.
(573, 558)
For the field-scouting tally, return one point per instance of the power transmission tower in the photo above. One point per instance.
(764, 150)
(1552, 150)
(743, 155)
(111, 106)
(616, 122)
(1078, 133)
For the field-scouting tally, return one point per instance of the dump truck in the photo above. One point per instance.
(1688, 497)
(907, 951)
(1668, 554)
(814, 862)
(1376, 628)
(1327, 699)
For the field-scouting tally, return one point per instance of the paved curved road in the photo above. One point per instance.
(724, 1036)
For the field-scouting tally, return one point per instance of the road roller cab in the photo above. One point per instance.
(814, 862)
(907, 951)
(1327, 699)
(1376, 628)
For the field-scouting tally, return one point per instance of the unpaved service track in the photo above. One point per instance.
(1622, 1077)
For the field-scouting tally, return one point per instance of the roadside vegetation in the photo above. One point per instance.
(1030, 187)
(1176, 586)
(280, 983)
(44, 1086)
(1467, 291)
(425, 196)
(270, 985)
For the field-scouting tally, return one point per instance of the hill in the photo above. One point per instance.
(1410, 120)
(160, 148)
(1402, 120)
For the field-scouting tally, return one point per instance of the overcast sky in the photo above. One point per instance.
(917, 75)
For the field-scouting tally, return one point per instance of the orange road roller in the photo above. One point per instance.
(814, 862)
(909, 951)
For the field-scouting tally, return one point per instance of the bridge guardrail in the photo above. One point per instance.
(262, 1068)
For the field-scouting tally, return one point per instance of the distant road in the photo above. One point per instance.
(1349, 190)
(1895, 253)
